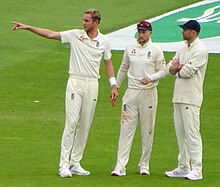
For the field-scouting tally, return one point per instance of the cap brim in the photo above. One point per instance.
(183, 27)
(143, 28)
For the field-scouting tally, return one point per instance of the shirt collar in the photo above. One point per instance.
(87, 37)
(193, 43)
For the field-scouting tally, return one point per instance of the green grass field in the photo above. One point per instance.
(35, 69)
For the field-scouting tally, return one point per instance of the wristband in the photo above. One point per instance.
(112, 81)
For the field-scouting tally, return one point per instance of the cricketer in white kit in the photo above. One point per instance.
(88, 47)
(189, 67)
(144, 64)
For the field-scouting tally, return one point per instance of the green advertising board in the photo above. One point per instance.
(166, 30)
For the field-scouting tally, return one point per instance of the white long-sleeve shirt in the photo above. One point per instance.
(141, 61)
(188, 87)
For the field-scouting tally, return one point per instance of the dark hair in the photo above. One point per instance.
(94, 13)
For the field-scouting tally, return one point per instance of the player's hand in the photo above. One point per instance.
(175, 66)
(146, 80)
(114, 95)
(18, 25)
(176, 63)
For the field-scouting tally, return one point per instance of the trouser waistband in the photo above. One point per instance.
(83, 78)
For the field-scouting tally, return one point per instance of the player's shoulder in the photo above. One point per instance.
(155, 45)
(199, 47)
(202, 46)
(102, 36)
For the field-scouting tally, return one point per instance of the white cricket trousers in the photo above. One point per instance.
(187, 127)
(137, 104)
(81, 99)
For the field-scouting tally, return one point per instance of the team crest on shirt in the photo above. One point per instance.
(133, 52)
(81, 37)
